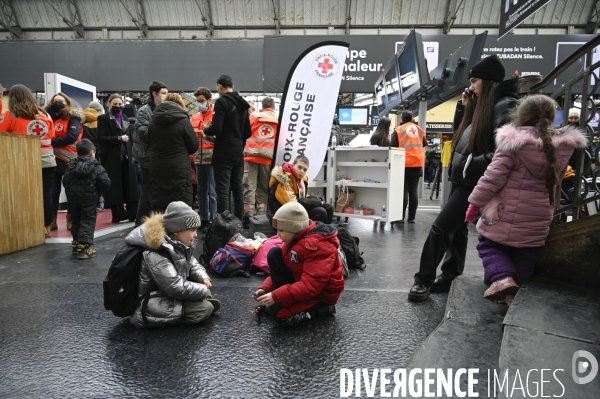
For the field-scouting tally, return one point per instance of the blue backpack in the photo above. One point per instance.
(233, 260)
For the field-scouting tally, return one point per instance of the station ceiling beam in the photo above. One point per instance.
(72, 17)
(8, 19)
(139, 19)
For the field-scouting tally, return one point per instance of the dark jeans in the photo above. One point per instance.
(503, 260)
(226, 176)
(47, 180)
(61, 166)
(144, 206)
(207, 196)
(411, 196)
(447, 239)
(321, 213)
(83, 222)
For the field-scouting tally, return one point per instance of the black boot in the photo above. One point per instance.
(418, 292)
(442, 283)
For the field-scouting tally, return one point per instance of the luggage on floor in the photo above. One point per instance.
(259, 262)
(261, 224)
(219, 232)
(233, 260)
(349, 245)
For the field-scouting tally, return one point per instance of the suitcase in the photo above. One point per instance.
(261, 224)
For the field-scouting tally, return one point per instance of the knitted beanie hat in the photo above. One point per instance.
(574, 112)
(489, 68)
(291, 217)
(96, 105)
(179, 217)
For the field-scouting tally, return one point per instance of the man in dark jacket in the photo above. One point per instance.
(141, 145)
(172, 141)
(231, 128)
(84, 180)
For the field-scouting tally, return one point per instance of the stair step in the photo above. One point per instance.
(547, 323)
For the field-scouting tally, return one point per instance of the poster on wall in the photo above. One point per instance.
(514, 12)
(308, 104)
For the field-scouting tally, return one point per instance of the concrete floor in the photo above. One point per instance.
(56, 339)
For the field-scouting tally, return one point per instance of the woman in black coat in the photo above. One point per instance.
(172, 141)
(117, 160)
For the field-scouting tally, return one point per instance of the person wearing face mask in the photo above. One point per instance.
(68, 130)
(117, 160)
(207, 196)
(231, 128)
(141, 145)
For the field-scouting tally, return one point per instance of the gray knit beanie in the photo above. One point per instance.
(179, 217)
(96, 105)
(291, 217)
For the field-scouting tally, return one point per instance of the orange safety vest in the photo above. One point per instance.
(410, 137)
(261, 145)
(41, 126)
(69, 151)
(197, 120)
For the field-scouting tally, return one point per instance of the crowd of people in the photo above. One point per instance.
(506, 164)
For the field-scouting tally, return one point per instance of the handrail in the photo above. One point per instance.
(560, 68)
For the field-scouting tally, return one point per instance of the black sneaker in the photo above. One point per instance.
(411, 220)
(298, 318)
(418, 292)
(442, 283)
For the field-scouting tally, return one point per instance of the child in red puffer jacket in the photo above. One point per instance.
(306, 273)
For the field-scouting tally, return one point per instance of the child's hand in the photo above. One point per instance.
(207, 282)
(266, 299)
(260, 292)
(472, 212)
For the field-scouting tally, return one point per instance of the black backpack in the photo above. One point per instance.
(219, 232)
(349, 245)
(122, 281)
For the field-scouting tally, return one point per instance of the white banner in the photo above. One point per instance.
(308, 104)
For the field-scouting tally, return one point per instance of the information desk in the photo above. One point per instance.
(21, 193)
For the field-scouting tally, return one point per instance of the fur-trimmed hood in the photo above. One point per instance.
(77, 113)
(280, 176)
(152, 235)
(512, 139)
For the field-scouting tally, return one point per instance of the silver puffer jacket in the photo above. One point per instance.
(169, 283)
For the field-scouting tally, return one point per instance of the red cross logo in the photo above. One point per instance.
(266, 132)
(325, 66)
(58, 127)
(37, 129)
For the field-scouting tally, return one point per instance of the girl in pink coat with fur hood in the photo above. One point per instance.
(516, 194)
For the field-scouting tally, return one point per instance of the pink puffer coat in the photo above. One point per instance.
(512, 193)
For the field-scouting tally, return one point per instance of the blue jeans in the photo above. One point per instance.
(207, 195)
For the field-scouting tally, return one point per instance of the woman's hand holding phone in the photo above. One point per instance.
(466, 96)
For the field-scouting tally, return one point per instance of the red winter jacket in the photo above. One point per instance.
(313, 259)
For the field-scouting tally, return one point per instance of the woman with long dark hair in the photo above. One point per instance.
(381, 137)
(117, 160)
(26, 117)
(484, 108)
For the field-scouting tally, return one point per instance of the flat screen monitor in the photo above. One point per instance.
(353, 116)
(381, 96)
(81, 93)
(392, 86)
(412, 66)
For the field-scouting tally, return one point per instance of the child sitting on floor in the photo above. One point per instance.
(288, 183)
(306, 273)
(517, 194)
(179, 286)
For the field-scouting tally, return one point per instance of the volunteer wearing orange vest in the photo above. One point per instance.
(258, 154)
(68, 130)
(412, 138)
(207, 196)
(26, 117)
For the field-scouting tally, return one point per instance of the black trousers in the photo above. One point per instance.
(83, 221)
(321, 213)
(47, 179)
(411, 196)
(229, 176)
(144, 206)
(447, 239)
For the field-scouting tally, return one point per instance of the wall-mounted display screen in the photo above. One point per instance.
(380, 96)
(353, 116)
(392, 86)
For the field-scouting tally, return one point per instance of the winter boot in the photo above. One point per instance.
(69, 224)
(501, 288)
(297, 318)
(53, 225)
(47, 231)
(74, 247)
(87, 252)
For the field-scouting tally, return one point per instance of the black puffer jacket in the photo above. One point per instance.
(172, 141)
(467, 173)
(231, 128)
(85, 179)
